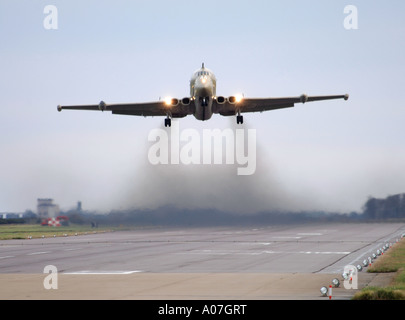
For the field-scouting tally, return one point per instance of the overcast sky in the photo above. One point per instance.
(327, 155)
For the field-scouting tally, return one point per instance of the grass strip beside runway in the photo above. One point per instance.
(392, 261)
(29, 231)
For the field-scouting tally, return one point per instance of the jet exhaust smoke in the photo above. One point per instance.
(216, 186)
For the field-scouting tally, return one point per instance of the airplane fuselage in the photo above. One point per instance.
(203, 90)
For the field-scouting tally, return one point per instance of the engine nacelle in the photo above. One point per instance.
(172, 102)
(102, 106)
(235, 99)
(221, 100)
(232, 99)
(185, 101)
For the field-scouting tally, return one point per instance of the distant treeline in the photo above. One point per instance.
(171, 216)
(390, 209)
(13, 221)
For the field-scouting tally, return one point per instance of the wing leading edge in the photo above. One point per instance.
(266, 104)
(148, 109)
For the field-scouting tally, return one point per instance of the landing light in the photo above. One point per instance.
(324, 291)
(238, 98)
(168, 101)
(336, 283)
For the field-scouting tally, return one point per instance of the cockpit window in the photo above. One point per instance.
(203, 73)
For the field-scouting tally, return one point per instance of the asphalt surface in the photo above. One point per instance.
(278, 262)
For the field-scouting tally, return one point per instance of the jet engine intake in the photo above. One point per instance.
(173, 102)
(221, 100)
(185, 101)
(232, 99)
(235, 99)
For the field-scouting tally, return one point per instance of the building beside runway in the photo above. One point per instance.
(47, 209)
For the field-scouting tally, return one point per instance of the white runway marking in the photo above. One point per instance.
(281, 237)
(325, 252)
(36, 253)
(5, 257)
(102, 272)
(254, 253)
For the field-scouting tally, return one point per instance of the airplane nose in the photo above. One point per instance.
(203, 81)
(204, 86)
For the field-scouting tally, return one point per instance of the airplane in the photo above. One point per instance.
(203, 102)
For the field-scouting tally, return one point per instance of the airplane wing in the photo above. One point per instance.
(148, 109)
(265, 104)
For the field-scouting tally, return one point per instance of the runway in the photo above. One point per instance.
(272, 262)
